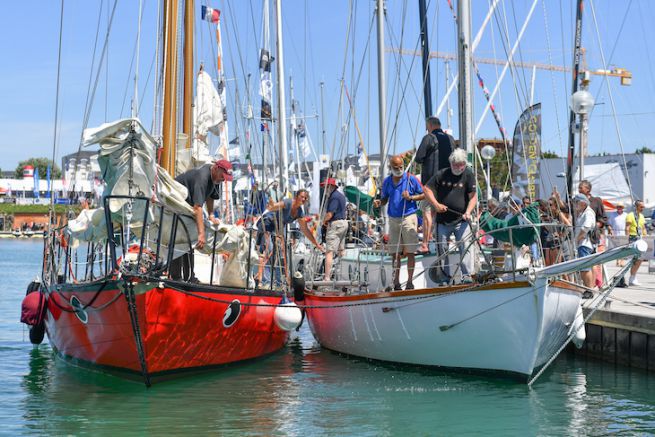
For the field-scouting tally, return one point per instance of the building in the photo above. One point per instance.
(637, 170)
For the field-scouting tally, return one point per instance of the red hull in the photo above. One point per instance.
(188, 328)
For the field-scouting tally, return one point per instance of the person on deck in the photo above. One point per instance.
(585, 221)
(203, 185)
(453, 193)
(598, 241)
(616, 226)
(401, 191)
(433, 152)
(635, 227)
(289, 211)
(335, 222)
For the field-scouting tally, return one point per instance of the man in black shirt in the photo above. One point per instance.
(433, 152)
(203, 185)
(453, 194)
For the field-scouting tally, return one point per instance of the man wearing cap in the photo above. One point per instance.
(335, 222)
(585, 222)
(203, 186)
(433, 152)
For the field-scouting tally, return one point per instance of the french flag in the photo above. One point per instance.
(210, 14)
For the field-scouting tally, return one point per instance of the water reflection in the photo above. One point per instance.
(303, 390)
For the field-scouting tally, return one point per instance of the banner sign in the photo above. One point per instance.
(526, 153)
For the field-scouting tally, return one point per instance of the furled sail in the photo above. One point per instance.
(208, 115)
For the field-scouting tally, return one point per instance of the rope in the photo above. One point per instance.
(602, 298)
(131, 305)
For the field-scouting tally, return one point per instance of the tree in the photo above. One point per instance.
(42, 165)
(643, 150)
(548, 154)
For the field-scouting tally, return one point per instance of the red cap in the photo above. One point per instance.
(329, 181)
(227, 168)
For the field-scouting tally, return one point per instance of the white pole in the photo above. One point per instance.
(282, 126)
(381, 90)
(509, 60)
(534, 77)
(476, 41)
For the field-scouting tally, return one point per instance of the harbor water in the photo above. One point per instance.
(302, 390)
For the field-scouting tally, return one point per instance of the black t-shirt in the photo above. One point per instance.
(454, 192)
(433, 153)
(200, 185)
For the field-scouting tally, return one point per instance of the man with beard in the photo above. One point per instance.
(453, 194)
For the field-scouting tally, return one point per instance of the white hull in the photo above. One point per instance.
(509, 327)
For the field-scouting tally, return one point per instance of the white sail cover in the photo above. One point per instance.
(208, 116)
(128, 166)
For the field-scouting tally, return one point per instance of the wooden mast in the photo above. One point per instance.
(187, 118)
(169, 128)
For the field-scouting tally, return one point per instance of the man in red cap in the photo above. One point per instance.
(335, 222)
(203, 185)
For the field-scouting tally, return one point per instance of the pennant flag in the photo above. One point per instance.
(48, 178)
(209, 14)
(235, 141)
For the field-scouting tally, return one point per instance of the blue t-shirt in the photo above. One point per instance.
(399, 207)
(337, 205)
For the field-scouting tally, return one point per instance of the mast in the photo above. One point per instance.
(281, 103)
(577, 52)
(464, 62)
(322, 118)
(381, 89)
(425, 54)
(169, 128)
(187, 109)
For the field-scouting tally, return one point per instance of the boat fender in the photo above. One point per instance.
(33, 311)
(578, 329)
(287, 316)
(298, 285)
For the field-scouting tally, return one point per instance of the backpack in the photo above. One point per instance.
(594, 236)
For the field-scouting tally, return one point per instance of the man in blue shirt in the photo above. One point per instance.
(401, 191)
(335, 222)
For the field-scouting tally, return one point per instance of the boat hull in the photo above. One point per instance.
(179, 327)
(507, 327)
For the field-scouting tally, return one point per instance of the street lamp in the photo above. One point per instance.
(488, 152)
(582, 102)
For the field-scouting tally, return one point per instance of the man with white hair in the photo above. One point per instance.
(453, 193)
(585, 222)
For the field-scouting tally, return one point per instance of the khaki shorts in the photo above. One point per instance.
(426, 206)
(403, 234)
(335, 239)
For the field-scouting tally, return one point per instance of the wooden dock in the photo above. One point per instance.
(622, 331)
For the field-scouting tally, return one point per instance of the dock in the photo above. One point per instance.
(622, 330)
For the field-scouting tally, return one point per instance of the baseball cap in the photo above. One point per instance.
(329, 181)
(227, 168)
(581, 198)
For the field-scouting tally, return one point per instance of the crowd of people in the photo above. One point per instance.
(438, 208)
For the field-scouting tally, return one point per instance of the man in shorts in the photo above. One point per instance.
(335, 222)
(401, 191)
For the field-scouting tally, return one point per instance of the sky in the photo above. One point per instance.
(325, 42)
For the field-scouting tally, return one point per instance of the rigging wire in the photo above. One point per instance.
(54, 135)
(609, 88)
